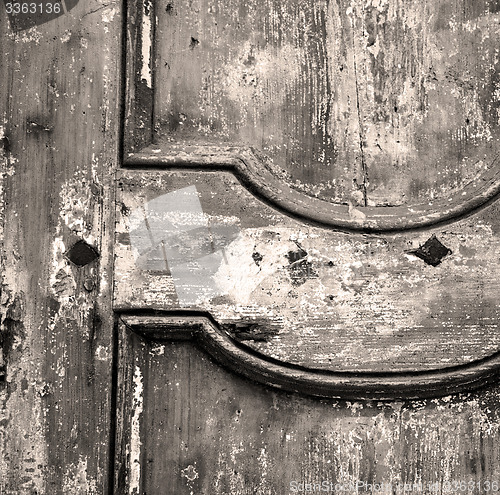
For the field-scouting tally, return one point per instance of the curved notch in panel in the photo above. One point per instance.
(265, 185)
(347, 385)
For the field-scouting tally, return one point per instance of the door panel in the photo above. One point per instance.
(308, 296)
(307, 199)
(358, 261)
(369, 103)
(189, 426)
(307, 208)
(58, 147)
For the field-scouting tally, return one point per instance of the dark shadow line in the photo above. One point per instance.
(114, 411)
(123, 84)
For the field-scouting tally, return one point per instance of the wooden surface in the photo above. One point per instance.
(189, 426)
(184, 424)
(225, 347)
(340, 301)
(59, 128)
(362, 103)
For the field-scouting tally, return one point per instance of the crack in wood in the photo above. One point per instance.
(364, 167)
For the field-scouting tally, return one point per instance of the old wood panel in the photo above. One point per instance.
(311, 296)
(324, 204)
(368, 103)
(188, 426)
(58, 130)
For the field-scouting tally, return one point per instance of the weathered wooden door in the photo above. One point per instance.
(251, 248)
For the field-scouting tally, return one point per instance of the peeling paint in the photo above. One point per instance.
(146, 70)
(76, 479)
(135, 441)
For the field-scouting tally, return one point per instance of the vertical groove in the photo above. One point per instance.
(364, 167)
(122, 85)
(152, 62)
(123, 39)
(114, 412)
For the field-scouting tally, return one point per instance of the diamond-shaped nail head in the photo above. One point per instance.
(82, 253)
(432, 251)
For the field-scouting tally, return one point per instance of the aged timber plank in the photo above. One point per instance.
(226, 350)
(345, 102)
(59, 124)
(427, 74)
(247, 167)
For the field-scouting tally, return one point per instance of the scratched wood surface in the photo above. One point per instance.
(58, 130)
(59, 123)
(189, 425)
(303, 294)
(362, 102)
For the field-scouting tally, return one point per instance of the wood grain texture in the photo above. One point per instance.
(59, 126)
(188, 426)
(228, 352)
(362, 103)
(257, 179)
(340, 301)
(138, 75)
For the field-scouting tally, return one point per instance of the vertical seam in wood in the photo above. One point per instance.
(152, 62)
(122, 85)
(364, 168)
(114, 401)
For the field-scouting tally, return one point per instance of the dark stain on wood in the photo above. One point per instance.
(193, 43)
(5, 144)
(12, 328)
(261, 331)
(95, 329)
(257, 257)
(13, 325)
(35, 127)
(299, 269)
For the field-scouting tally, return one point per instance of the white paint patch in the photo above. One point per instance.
(75, 479)
(108, 15)
(135, 434)
(240, 275)
(75, 203)
(146, 49)
(190, 473)
(254, 72)
(66, 36)
(157, 350)
(356, 214)
(102, 353)
(62, 283)
(28, 36)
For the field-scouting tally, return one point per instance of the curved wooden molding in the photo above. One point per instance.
(251, 172)
(320, 383)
